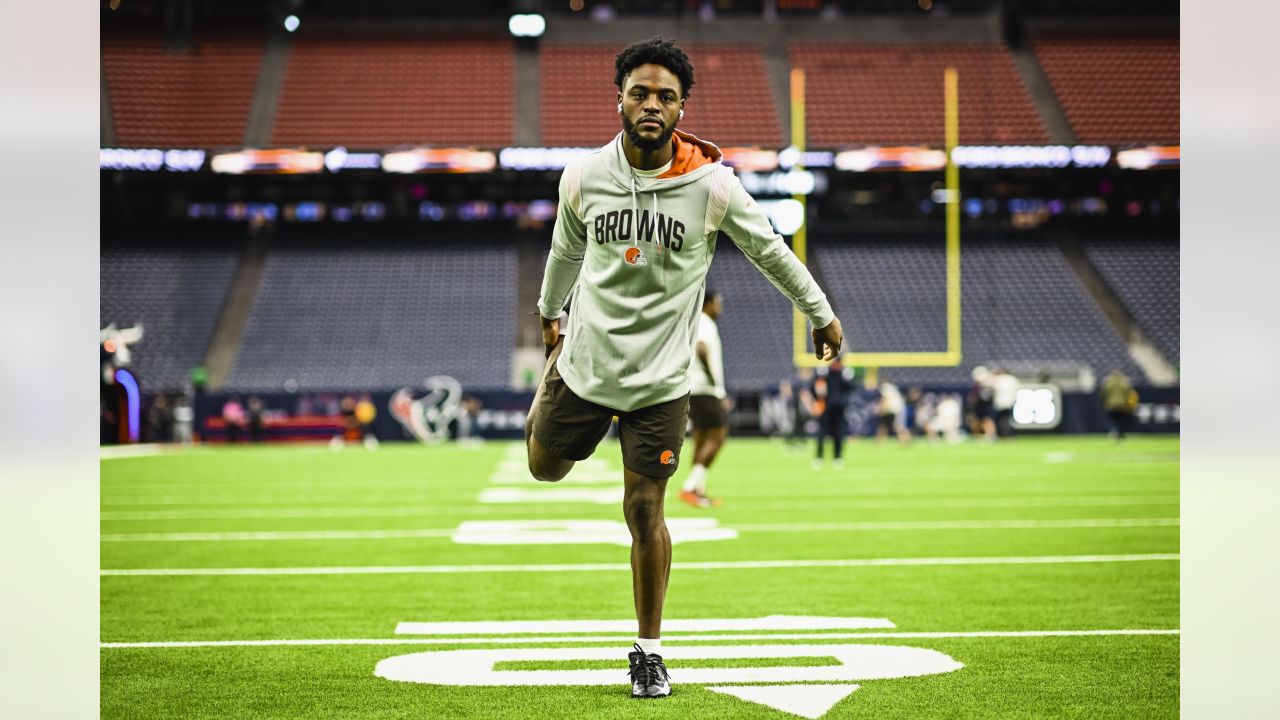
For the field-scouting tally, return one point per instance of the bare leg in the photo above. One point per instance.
(699, 440)
(542, 464)
(650, 548)
(706, 449)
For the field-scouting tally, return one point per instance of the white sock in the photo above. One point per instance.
(650, 647)
(697, 480)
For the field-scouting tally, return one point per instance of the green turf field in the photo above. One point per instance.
(1046, 567)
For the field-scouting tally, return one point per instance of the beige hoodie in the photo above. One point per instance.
(635, 251)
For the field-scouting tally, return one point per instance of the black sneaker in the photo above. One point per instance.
(648, 675)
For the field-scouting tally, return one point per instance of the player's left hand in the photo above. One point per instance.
(550, 333)
(827, 340)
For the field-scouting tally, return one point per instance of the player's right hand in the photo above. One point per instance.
(831, 337)
(550, 333)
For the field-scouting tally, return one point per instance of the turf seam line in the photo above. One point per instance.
(669, 639)
(619, 567)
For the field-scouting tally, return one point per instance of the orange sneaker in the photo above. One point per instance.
(694, 499)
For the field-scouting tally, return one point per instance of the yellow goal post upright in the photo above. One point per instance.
(872, 361)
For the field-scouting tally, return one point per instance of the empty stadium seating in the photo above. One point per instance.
(1115, 89)
(375, 91)
(884, 94)
(379, 317)
(176, 294)
(197, 97)
(755, 328)
(1020, 302)
(1144, 275)
(731, 102)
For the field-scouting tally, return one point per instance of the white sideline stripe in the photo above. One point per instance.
(398, 534)
(120, 452)
(402, 511)
(1032, 524)
(619, 567)
(626, 638)
(282, 535)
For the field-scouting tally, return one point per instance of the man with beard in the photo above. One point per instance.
(635, 231)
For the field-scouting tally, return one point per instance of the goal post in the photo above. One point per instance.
(950, 357)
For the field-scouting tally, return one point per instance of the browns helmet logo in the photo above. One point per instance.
(634, 256)
(667, 458)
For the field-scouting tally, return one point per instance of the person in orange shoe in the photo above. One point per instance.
(708, 402)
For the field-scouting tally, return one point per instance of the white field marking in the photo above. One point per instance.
(614, 532)
(401, 511)
(581, 532)
(536, 495)
(516, 472)
(281, 535)
(282, 499)
(139, 489)
(121, 452)
(626, 567)
(476, 668)
(672, 640)
(1033, 524)
(807, 701)
(529, 627)
(1058, 457)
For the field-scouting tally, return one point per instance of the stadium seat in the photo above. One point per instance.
(381, 91)
(887, 94)
(177, 295)
(731, 103)
(328, 315)
(1144, 275)
(1115, 89)
(197, 97)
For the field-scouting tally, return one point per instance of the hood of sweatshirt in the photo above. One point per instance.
(694, 159)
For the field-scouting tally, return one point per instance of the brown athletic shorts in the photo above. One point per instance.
(571, 427)
(707, 412)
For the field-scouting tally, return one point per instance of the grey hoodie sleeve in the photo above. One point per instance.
(746, 223)
(568, 245)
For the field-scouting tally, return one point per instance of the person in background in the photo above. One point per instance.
(708, 401)
(1004, 393)
(831, 391)
(159, 420)
(983, 423)
(257, 419)
(365, 414)
(1119, 399)
(233, 417)
(184, 418)
(947, 418)
(890, 409)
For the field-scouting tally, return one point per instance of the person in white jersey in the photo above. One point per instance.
(708, 402)
(635, 231)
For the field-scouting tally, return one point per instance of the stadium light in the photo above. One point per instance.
(527, 25)
(787, 215)
(291, 23)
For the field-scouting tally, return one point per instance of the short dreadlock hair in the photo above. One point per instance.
(659, 51)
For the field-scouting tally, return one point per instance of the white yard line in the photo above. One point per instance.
(123, 452)
(673, 640)
(626, 567)
(411, 511)
(282, 535)
(1029, 524)
(869, 526)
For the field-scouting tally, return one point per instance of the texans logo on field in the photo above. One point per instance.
(634, 256)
